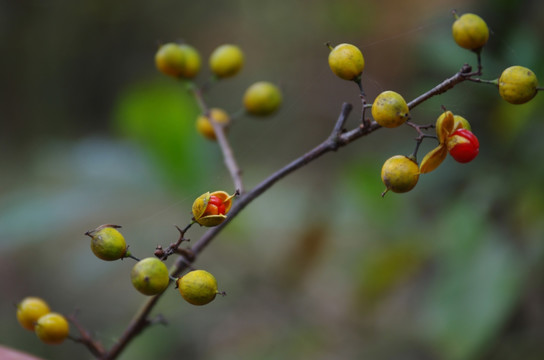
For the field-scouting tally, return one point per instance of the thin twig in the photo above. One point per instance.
(85, 338)
(219, 129)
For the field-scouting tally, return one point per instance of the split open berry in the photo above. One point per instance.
(198, 287)
(463, 145)
(346, 61)
(211, 209)
(170, 59)
(29, 310)
(192, 62)
(205, 127)
(470, 32)
(107, 243)
(52, 328)
(390, 109)
(150, 276)
(226, 60)
(518, 84)
(399, 174)
(262, 98)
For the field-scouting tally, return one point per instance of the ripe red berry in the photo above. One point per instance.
(463, 145)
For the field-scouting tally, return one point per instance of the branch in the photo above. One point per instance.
(219, 129)
(338, 138)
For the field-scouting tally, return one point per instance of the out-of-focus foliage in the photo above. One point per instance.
(320, 266)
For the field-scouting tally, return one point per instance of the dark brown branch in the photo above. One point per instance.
(338, 138)
(86, 339)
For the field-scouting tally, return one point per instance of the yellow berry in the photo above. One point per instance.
(470, 32)
(390, 109)
(205, 127)
(518, 84)
(262, 98)
(170, 59)
(150, 276)
(29, 310)
(192, 63)
(346, 61)
(211, 209)
(198, 287)
(107, 243)
(226, 60)
(52, 328)
(400, 174)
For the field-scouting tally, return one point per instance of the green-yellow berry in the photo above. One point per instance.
(470, 32)
(390, 109)
(150, 276)
(192, 63)
(29, 310)
(226, 60)
(52, 328)
(170, 59)
(262, 98)
(198, 287)
(107, 243)
(518, 84)
(346, 61)
(205, 127)
(400, 174)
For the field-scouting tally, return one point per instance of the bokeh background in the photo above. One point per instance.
(320, 266)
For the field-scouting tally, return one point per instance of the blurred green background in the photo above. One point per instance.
(318, 267)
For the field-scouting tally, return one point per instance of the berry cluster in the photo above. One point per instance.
(400, 173)
(34, 314)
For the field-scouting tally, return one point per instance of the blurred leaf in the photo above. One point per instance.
(161, 116)
(477, 282)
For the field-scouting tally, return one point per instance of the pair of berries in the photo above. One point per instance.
(150, 277)
(34, 314)
(183, 61)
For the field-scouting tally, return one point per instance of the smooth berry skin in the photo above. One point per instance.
(464, 151)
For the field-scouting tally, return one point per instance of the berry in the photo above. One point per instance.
(29, 310)
(463, 145)
(517, 85)
(52, 328)
(346, 61)
(460, 122)
(198, 287)
(107, 243)
(170, 59)
(390, 109)
(226, 60)
(211, 209)
(192, 63)
(470, 32)
(262, 98)
(205, 127)
(399, 174)
(150, 276)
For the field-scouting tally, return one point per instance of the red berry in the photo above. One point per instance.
(463, 145)
(215, 206)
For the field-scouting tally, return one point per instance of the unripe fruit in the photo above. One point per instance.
(470, 32)
(205, 127)
(390, 109)
(463, 145)
(518, 84)
(192, 64)
(346, 61)
(262, 98)
(150, 276)
(29, 310)
(400, 174)
(170, 59)
(226, 60)
(198, 287)
(211, 209)
(107, 243)
(52, 328)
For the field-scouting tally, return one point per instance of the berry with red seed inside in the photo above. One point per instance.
(463, 145)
